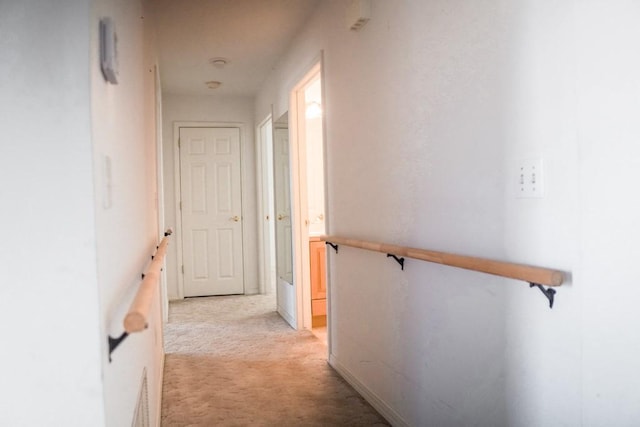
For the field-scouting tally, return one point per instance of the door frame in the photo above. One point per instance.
(178, 196)
(297, 143)
(266, 241)
(157, 87)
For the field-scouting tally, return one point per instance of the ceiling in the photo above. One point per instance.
(251, 34)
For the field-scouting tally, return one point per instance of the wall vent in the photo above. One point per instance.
(358, 14)
(141, 415)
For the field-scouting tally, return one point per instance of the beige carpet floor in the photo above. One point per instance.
(232, 361)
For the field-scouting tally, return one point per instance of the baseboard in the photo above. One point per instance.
(380, 405)
(160, 390)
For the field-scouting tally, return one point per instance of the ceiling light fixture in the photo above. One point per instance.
(314, 110)
(218, 62)
(213, 84)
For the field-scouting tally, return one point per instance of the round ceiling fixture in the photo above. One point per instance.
(218, 62)
(213, 84)
(314, 110)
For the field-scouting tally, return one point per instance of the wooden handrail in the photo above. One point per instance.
(531, 274)
(136, 318)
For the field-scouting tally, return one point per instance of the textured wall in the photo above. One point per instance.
(127, 220)
(429, 108)
(49, 312)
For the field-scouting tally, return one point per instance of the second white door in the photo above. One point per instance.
(210, 187)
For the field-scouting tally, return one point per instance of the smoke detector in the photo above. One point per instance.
(213, 84)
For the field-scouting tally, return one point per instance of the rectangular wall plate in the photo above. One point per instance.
(529, 178)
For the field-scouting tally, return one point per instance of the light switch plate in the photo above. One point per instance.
(529, 178)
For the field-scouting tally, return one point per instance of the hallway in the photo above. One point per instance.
(232, 361)
(433, 110)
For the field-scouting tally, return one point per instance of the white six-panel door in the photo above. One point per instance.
(210, 188)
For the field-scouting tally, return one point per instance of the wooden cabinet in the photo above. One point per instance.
(317, 257)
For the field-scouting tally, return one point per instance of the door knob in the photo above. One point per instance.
(235, 218)
(281, 217)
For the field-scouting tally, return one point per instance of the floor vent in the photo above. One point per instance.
(141, 416)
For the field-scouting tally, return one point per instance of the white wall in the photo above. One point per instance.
(428, 109)
(49, 312)
(124, 131)
(607, 107)
(188, 108)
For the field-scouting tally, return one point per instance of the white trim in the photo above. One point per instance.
(374, 400)
(299, 235)
(177, 199)
(164, 304)
(246, 241)
(262, 276)
(327, 217)
(299, 203)
(265, 246)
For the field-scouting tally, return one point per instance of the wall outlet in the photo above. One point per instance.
(530, 178)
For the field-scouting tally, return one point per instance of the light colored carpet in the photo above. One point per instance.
(232, 361)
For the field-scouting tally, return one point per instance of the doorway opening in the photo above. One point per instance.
(295, 203)
(308, 188)
(311, 131)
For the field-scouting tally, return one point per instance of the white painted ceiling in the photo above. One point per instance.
(252, 34)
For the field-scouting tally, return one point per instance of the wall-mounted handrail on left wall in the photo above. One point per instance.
(136, 319)
(536, 276)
